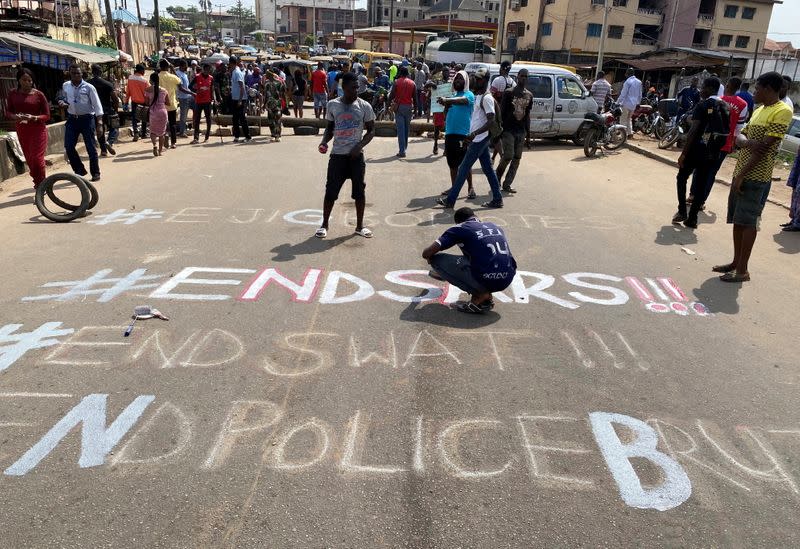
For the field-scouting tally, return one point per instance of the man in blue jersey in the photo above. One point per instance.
(486, 265)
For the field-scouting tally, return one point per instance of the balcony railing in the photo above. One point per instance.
(643, 42)
(700, 45)
(649, 11)
(705, 18)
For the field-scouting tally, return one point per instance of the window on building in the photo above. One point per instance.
(540, 86)
(568, 88)
(301, 26)
(301, 12)
(386, 12)
(724, 40)
(523, 3)
(748, 13)
(620, 3)
(615, 31)
(397, 14)
(488, 6)
(548, 2)
(547, 29)
(731, 11)
(405, 14)
(742, 41)
(594, 30)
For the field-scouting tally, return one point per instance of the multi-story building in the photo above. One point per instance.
(404, 10)
(561, 30)
(321, 16)
(465, 10)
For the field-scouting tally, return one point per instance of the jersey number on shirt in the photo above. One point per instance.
(497, 248)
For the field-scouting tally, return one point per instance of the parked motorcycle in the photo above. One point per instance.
(642, 118)
(603, 131)
(677, 132)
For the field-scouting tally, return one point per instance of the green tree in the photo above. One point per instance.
(308, 40)
(106, 42)
(167, 24)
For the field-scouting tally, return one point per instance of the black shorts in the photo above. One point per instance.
(455, 148)
(342, 167)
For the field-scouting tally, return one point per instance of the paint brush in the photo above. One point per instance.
(142, 311)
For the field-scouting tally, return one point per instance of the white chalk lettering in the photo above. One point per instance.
(448, 448)
(185, 277)
(675, 487)
(96, 440)
(190, 213)
(322, 442)
(14, 346)
(620, 297)
(304, 217)
(354, 450)
(327, 296)
(522, 293)
(537, 453)
(244, 418)
(432, 291)
(300, 292)
(442, 350)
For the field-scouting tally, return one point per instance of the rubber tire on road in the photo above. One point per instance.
(669, 138)
(616, 143)
(61, 204)
(590, 143)
(385, 131)
(47, 185)
(306, 130)
(659, 129)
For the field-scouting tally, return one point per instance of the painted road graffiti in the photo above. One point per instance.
(657, 464)
(307, 354)
(418, 218)
(569, 291)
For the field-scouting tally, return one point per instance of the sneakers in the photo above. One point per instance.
(493, 204)
(96, 178)
(111, 150)
(248, 139)
(135, 138)
(443, 202)
(509, 190)
(194, 142)
(679, 217)
(235, 139)
(691, 222)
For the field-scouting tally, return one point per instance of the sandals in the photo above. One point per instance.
(322, 232)
(472, 195)
(727, 268)
(735, 277)
(155, 151)
(365, 232)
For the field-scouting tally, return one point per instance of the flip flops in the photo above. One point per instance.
(727, 268)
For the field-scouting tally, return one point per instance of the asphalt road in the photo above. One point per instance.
(309, 393)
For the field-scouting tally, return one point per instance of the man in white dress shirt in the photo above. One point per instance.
(83, 112)
(629, 98)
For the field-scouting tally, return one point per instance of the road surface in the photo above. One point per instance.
(320, 393)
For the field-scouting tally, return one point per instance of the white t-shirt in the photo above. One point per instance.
(479, 115)
(789, 102)
(503, 83)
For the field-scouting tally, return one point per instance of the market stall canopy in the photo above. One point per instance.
(56, 54)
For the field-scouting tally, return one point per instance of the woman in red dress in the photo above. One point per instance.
(29, 107)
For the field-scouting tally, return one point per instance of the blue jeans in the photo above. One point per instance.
(402, 120)
(456, 270)
(81, 126)
(476, 152)
(183, 106)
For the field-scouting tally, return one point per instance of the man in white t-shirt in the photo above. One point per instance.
(503, 82)
(483, 115)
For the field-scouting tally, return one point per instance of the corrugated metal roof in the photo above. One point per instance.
(125, 16)
(69, 50)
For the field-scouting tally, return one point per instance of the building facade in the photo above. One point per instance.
(465, 10)
(323, 19)
(571, 30)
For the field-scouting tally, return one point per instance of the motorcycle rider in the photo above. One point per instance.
(688, 97)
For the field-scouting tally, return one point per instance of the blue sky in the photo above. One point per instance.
(783, 25)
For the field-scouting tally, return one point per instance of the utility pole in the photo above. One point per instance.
(672, 26)
(501, 32)
(391, 24)
(449, 15)
(275, 21)
(601, 49)
(158, 26)
(109, 21)
(239, 8)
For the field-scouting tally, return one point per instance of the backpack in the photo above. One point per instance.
(718, 127)
(496, 127)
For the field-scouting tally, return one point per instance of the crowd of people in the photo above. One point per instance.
(476, 114)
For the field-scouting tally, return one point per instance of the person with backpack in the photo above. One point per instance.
(484, 126)
(704, 142)
(515, 110)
